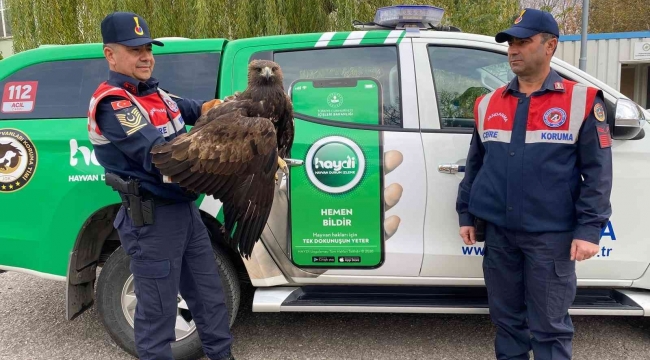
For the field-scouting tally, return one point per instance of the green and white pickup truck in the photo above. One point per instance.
(365, 220)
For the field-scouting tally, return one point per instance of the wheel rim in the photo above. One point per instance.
(184, 323)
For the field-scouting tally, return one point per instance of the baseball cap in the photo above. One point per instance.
(126, 28)
(530, 23)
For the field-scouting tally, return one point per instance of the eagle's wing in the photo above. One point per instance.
(285, 142)
(232, 157)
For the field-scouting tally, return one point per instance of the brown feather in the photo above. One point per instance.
(232, 152)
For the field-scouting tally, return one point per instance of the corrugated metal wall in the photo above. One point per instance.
(604, 56)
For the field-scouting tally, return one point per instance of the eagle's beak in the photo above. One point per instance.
(266, 72)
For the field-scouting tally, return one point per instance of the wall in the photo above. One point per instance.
(605, 52)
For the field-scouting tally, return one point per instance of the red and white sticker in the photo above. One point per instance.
(19, 97)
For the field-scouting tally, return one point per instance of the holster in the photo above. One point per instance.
(140, 210)
(479, 229)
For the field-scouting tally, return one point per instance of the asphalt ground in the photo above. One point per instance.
(33, 327)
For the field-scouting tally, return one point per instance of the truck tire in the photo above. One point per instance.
(115, 297)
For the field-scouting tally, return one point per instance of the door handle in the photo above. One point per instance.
(451, 168)
(293, 162)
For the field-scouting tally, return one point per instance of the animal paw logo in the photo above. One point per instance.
(138, 29)
(18, 160)
(334, 100)
(555, 117)
(335, 164)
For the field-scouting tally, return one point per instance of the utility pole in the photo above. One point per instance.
(583, 39)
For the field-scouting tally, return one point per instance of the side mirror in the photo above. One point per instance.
(628, 120)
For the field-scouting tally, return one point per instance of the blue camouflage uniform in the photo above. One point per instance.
(539, 172)
(174, 254)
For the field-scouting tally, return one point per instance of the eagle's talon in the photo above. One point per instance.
(283, 165)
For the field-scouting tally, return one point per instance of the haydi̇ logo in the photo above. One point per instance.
(87, 154)
(350, 163)
(335, 164)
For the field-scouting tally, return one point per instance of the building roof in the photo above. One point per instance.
(607, 36)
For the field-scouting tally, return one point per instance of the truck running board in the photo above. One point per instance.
(411, 299)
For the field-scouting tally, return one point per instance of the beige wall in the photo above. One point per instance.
(6, 46)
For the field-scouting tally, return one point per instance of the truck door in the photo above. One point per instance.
(451, 75)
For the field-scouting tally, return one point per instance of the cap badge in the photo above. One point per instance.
(518, 20)
(138, 28)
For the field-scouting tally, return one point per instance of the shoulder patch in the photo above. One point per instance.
(131, 120)
(559, 85)
(117, 105)
(599, 112)
(604, 138)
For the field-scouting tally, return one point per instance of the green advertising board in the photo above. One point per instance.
(336, 197)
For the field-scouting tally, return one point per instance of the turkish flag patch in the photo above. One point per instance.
(122, 104)
(604, 138)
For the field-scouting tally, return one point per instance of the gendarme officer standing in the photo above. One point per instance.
(159, 223)
(539, 175)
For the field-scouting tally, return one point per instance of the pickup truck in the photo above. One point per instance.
(365, 220)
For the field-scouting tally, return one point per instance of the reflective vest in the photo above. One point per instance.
(552, 118)
(153, 109)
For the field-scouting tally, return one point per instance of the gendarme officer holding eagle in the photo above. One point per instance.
(159, 223)
(539, 176)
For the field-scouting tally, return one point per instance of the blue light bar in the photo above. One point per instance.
(415, 14)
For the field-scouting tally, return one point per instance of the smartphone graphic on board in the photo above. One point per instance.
(336, 197)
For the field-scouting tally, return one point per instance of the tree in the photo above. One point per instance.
(618, 16)
(36, 22)
(567, 13)
(604, 16)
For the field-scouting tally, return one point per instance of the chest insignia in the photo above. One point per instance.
(554, 117)
(171, 103)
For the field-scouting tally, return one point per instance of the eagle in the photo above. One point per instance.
(233, 153)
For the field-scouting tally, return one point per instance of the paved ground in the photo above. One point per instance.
(32, 326)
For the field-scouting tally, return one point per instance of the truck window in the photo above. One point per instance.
(379, 62)
(460, 76)
(62, 89)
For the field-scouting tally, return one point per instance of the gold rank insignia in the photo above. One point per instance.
(599, 112)
(521, 16)
(131, 120)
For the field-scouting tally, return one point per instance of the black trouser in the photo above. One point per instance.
(531, 284)
(174, 255)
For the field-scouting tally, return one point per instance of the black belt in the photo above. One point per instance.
(160, 201)
(141, 208)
